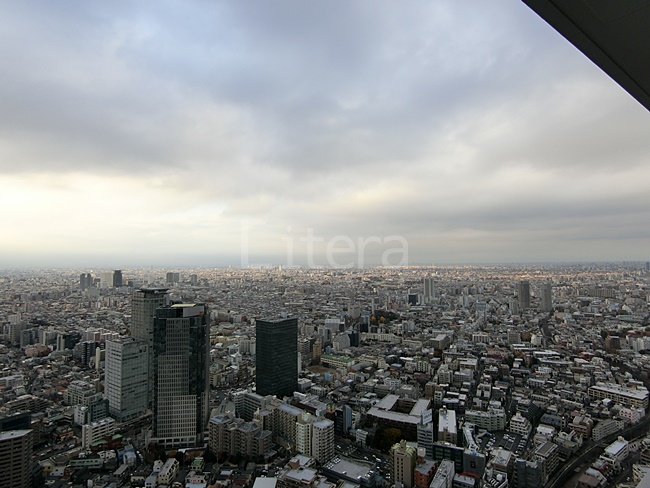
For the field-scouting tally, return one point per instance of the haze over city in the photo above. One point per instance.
(196, 133)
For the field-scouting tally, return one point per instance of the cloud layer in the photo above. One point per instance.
(474, 132)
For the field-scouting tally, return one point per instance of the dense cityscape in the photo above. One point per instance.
(298, 196)
(450, 376)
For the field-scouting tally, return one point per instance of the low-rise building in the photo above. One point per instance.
(520, 425)
(494, 419)
(447, 427)
(583, 425)
(444, 477)
(630, 397)
(548, 453)
(605, 428)
(168, 472)
(96, 431)
(424, 473)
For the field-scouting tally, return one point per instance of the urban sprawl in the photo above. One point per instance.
(520, 376)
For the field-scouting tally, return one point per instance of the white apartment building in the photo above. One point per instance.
(102, 429)
(322, 440)
(447, 427)
(304, 434)
(493, 419)
(520, 425)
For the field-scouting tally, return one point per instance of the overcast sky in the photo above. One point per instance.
(210, 133)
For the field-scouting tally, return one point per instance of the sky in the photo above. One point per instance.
(245, 133)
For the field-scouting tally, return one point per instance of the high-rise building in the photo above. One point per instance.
(513, 303)
(304, 434)
(181, 355)
(523, 294)
(15, 458)
(85, 281)
(426, 437)
(403, 462)
(236, 437)
(15, 421)
(106, 279)
(276, 362)
(284, 421)
(126, 378)
(343, 420)
(84, 351)
(117, 278)
(247, 403)
(428, 285)
(144, 303)
(547, 298)
(172, 277)
(218, 430)
(322, 440)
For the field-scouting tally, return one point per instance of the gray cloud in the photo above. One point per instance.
(357, 118)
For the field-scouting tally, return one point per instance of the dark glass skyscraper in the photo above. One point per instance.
(181, 354)
(117, 278)
(276, 364)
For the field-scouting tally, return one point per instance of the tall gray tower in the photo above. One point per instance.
(126, 378)
(428, 285)
(144, 303)
(523, 294)
(547, 298)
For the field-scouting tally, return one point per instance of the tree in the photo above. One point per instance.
(155, 452)
(209, 456)
(393, 436)
(180, 457)
(384, 439)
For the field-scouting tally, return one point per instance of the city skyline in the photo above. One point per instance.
(505, 375)
(222, 134)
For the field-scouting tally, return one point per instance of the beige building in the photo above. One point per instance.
(237, 437)
(284, 422)
(304, 434)
(520, 425)
(102, 429)
(583, 425)
(403, 463)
